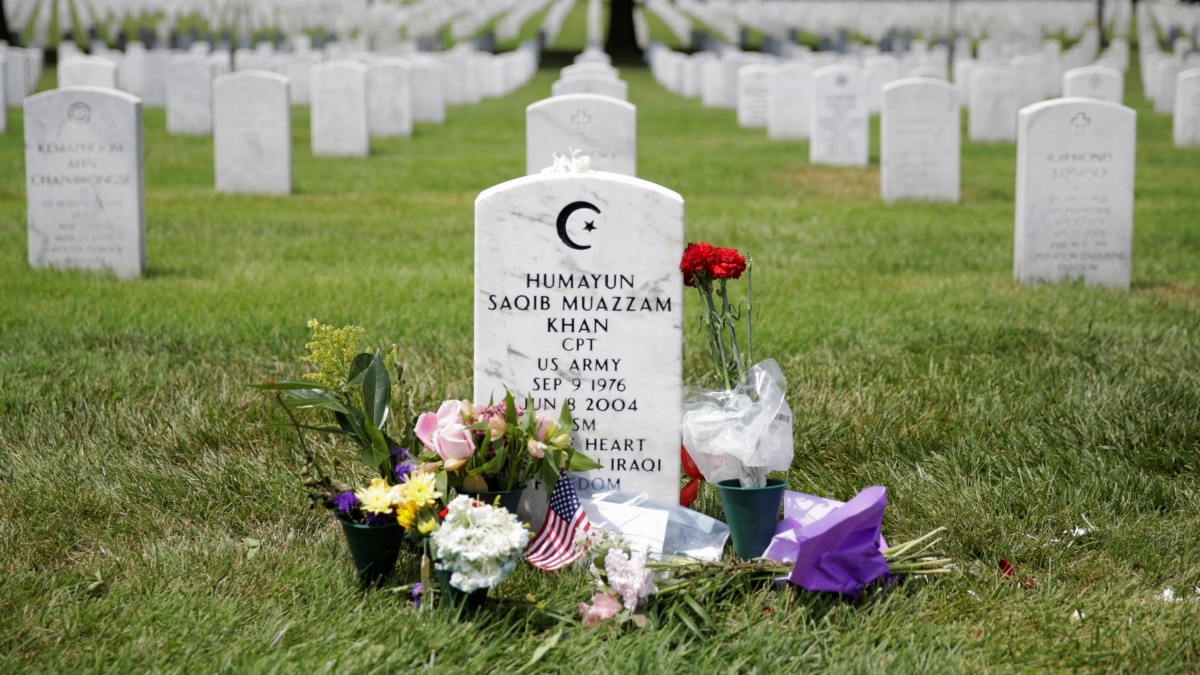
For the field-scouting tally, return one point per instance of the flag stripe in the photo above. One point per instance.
(554, 546)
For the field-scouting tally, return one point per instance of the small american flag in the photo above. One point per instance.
(554, 546)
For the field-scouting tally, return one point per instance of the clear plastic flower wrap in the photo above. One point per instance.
(741, 433)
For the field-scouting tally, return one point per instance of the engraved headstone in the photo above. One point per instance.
(601, 127)
(1074, 204)
(578, 302)
(84, 180)
(919, 141)
(1098, 82)
(753, 90)
(839, 127)
(87, 71)
(189, 96)
(389, 92)
(992, 111)
(788, 101)
(1185, 129)
(339, 110)
(252, 133)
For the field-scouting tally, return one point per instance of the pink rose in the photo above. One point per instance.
(445, 433)
(604, 606)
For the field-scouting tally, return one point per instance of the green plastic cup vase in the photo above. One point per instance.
(752, 514)
(456, 599)
(375, 548)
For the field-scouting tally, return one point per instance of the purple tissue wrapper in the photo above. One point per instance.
(840, 551)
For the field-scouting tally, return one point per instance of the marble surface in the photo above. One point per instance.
(1098, 82)
(299, 72)
(87, 71)
(17, 84)
(881, 70)
(919, 132)
(84, 180)
(429, 100)
(995, 100)
(578, 296)
(189, 96)
(1166, 71)
(788, 101)
(588, 83)
(390, 98)
(1074, 203)
(753, 90)
(839, 122)
(1185, 127)
(339, 116)
(600, 127)
(252, 133)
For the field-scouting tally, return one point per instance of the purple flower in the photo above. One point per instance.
(379, 518)
(345, 502)
(416, 594)
(400, 455)
(402, 471)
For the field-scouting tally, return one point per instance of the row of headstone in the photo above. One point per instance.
(591, 73)
(1171, 78)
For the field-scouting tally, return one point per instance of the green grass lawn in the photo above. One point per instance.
(137, 471)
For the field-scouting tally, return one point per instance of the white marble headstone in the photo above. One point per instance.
(85, 180)
(389, 94)
(995, 100)
(753, 90)
(1185, 127)
(189, 95)
(579, 298)
(252, 133)
(87, 71)
(1074, 210)
(17, 82)
(591, 83)
(881, 70)
(429, 100)
(788, 101)
(839, 127)
(339, 110)
(1098, 82)
(300, 73)
(601, 127)
(919, 141)
(1165, 73)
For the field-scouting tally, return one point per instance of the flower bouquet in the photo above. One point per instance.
(498, 448)
(822, 546)
(474, 548)
(739, 433)
(353, 390)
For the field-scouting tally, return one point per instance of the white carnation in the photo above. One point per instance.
(478, 544)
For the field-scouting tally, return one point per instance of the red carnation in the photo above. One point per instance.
(727, 263)
(696, 259)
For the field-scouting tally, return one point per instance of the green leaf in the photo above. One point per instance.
(577, 461)
(375, 447)
(357, 367)
(544, 648)
(376, 391)
(549, 475)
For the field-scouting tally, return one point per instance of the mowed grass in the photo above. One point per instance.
(151, 518)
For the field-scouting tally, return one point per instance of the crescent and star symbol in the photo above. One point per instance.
(588, 226)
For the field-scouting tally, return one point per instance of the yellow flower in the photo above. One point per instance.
(405, 514)
(378, 497)
(427, 525)
(420, 489)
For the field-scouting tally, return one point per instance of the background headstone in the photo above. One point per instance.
(252, 133)
(788, 101)
(753, 91)
(87, 71)
(1185, 127)
(839, 129)
(919, 141)
(339, 110)
(578, 296)
(601, 127)
(995, 100)
(84, 180)
(1098, 82)
(1074, 211)
(189, 96)
(389, 96)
